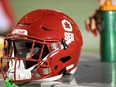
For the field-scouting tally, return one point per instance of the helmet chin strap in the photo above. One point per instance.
(21, 72)
(26, 74)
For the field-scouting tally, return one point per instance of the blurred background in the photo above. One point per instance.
(78, 10)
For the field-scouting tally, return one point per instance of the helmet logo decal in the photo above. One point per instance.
(66, 25)
(20, 31)
(68, 34)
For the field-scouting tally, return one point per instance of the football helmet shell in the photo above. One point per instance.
(44, 45)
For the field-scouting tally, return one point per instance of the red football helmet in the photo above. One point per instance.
(44, 45)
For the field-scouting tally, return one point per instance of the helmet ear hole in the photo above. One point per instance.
(65, 59)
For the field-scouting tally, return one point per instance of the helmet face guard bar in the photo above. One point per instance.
(26, 59)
